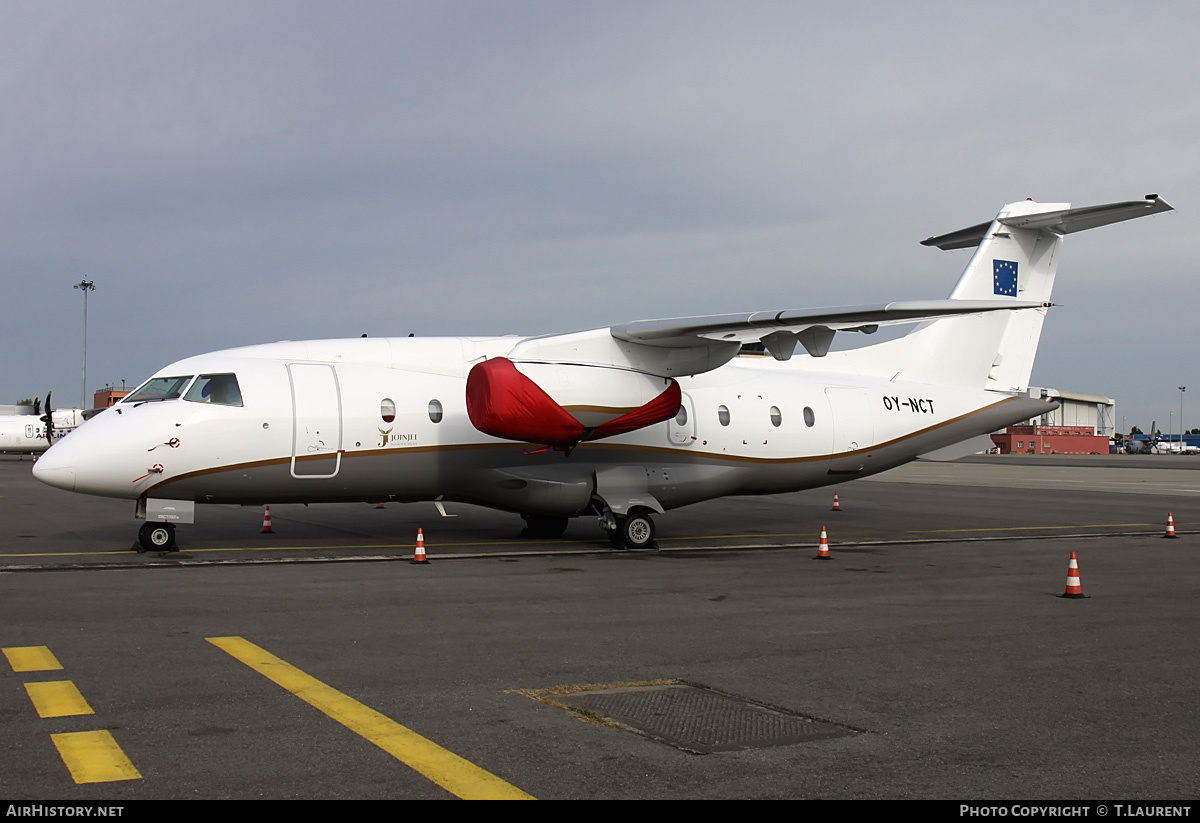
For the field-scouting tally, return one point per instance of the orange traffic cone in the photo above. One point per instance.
(379, 505)
(419, 553)
(1170, 526)
(837, 507)
(823, 549)
(1074, 587)
(267, 521)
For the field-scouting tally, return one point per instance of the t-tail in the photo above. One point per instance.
(1016, 257)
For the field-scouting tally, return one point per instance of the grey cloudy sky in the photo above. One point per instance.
(239, 172)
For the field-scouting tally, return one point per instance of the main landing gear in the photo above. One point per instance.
(156, 537)
(633, 531)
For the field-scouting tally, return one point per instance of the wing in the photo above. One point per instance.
(691, 345)
(813, 328)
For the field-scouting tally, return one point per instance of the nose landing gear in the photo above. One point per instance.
(156, 537)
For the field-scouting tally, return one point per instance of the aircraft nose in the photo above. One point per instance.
(52, 470)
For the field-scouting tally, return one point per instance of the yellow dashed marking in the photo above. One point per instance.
(454, 774)
(94, 757)
(31, 659)
(57, 698)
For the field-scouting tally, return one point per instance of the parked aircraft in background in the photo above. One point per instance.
(27, 433)
(1176, 447)
(622, 422)
(1155, 444)
(1135, 446)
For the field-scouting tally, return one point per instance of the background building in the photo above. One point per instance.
(1082, 424)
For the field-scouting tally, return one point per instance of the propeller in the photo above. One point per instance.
(37, 405)
(47, 418)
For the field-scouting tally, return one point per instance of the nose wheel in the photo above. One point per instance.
(156, 537)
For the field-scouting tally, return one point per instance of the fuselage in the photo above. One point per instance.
(26, 433)
(1175, 448)
(386, 419)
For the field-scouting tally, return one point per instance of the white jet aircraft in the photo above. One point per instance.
(624, 422)
(1163, 447)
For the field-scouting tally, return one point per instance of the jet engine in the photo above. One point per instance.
(562, 404)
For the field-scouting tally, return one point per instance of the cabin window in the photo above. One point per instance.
(387, 410)
(723, 415)
(681, 418)
(159, 388)
(809, 417)
(218, 389)
(776, 417)
(435, 411)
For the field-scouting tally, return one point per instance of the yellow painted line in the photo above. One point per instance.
(31, 659)
(448, 770)
(406, 549)
(1038, 528)
(94, 757)
(57, 698)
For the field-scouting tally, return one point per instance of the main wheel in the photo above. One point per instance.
(637, 531)
(157, 537)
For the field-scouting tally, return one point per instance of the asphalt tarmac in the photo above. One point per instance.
(933, 647)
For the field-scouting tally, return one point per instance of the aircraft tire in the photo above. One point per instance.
(637, 531)
(157, 537)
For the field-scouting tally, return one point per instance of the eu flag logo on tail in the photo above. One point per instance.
(1004, 277)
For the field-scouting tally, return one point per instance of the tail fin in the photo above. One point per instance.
(1016, 256)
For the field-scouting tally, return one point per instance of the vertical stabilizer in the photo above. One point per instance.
(1009, 263)
(1016, 258)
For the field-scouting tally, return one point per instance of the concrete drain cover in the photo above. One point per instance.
(698, 719)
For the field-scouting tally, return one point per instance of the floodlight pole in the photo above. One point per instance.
(1182, 389)
(85, 286)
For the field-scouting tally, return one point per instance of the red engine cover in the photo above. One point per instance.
(504, 403)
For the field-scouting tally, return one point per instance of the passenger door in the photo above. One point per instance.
(316, 420)
(853, 430)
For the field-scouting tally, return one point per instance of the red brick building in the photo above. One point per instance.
(107, 397)
(1050, 440)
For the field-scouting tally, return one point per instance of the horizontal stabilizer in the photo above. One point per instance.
(967, 238)
(1059, 221)
(1069, 221)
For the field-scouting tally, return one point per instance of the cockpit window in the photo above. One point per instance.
(219, 389)
(159, 388)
